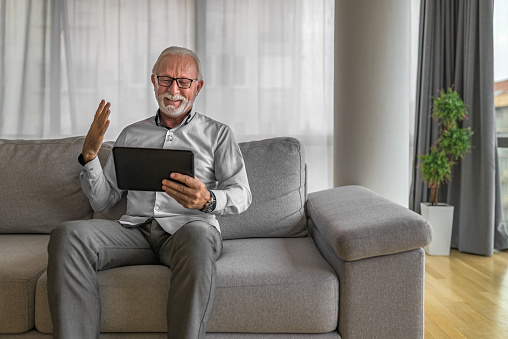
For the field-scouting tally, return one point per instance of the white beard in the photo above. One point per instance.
(170, 110)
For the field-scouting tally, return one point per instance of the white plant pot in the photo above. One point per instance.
(440, 218)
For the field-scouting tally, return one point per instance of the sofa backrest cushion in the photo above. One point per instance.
(40, 185)
(41, 189)
(276, 171)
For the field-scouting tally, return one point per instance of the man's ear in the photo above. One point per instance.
(199, 86)
(153, 80)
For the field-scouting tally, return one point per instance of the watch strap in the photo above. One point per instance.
(210, 204)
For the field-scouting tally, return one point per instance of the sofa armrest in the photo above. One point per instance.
(374, 246)
(357, 223)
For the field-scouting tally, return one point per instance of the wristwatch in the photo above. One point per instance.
(210, 204)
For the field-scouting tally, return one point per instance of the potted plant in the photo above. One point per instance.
(452, 145)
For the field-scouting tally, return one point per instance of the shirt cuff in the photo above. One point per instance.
(93, 167)
(81, 160)
(220, 201)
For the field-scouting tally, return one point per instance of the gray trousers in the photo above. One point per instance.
(79, 249)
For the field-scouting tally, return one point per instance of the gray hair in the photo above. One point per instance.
(175, 50)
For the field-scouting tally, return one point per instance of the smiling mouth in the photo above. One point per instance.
(172, 102)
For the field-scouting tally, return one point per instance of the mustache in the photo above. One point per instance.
(173, 97)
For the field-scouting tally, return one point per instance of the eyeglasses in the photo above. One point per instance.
(166, 81)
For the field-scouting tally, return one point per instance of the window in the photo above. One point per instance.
(268, 67)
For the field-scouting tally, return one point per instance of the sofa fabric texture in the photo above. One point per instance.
(341, 262)
(276, 172)
(32, 169)
(23, 259)
(361, 226)
(286, 297)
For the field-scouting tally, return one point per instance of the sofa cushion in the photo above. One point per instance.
(40, 185)
(276, 171)
(23, 258)
(280, 285)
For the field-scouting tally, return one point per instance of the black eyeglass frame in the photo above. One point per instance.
(173, 79)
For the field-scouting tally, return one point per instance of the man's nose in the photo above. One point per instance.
(173, 88)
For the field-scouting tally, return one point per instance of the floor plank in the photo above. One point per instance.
(466, 296)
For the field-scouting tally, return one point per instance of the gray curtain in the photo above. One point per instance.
(456, 49)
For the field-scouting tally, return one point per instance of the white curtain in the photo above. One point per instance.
(268, 66)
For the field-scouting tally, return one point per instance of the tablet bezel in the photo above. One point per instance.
(143, 169)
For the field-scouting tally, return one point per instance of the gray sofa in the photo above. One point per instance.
(343, 262)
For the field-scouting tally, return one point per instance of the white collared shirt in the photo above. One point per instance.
(218, 163)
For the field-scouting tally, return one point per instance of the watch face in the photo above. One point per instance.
(213, 202)
(210, 204)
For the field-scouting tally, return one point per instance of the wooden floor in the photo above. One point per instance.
(466, 296)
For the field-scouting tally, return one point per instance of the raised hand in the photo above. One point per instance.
(95, 136)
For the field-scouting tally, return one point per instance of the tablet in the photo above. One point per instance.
(143, 169)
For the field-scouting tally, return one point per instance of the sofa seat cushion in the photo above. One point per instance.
(23, 259)
(274, 285)
(279, 285)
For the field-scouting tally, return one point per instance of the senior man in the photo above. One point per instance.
(175, 227)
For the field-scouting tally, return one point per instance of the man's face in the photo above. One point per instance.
(174, 101)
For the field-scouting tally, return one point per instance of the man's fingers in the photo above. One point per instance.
(102, 105)
(105, 127)
(176, 187)
(100, 108)
(178, 176)
(98, 128)
(179, 196)
(185, 179)
(102, 113)
(101, 119)
(187, 196)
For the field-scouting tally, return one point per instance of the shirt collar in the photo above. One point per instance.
(188, 119)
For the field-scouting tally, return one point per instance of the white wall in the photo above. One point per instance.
(371, 96)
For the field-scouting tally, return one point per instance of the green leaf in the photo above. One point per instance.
(455, 141)
(449, 108)
(435, 167)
